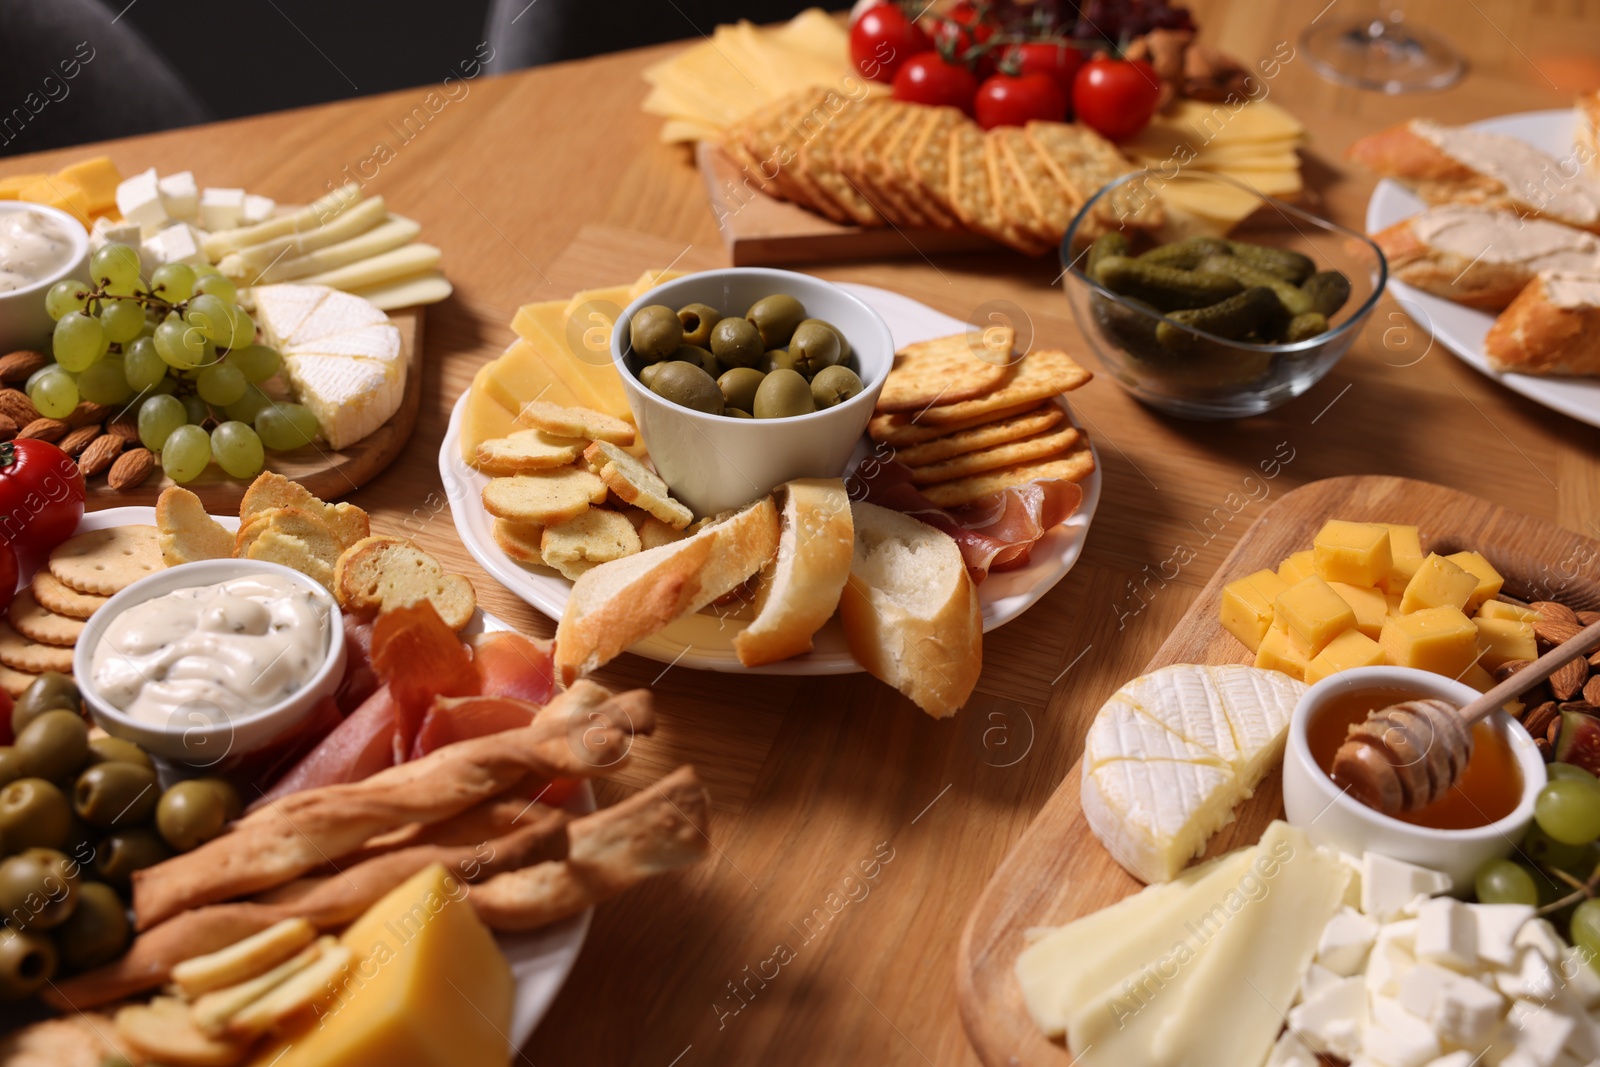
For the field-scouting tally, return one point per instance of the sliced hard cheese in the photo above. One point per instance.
(649, 280)
(383, 238)
(314, 214)
(350, 397)
(584, 364)
(524, 373)
(380, 269)
(1210, 201)
(429, 287)
(349, 223)
(483, 419)
(607, 304)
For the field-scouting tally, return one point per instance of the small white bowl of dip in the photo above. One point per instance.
(178, 708)
(39, 246)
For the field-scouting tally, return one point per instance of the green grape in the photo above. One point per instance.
(284, 427)
(1504, 882)
(215, 283)
(106, 382)
(66, 297)
(1571, 772)
(221, 384)
(1586, 928)
(186, 453)
(195, 409)
(220, 321)
(1569, 811)
(78, 341)
(48, 368)
(246, 407)
(256, 362)
(121, 320)
(179, 344)
(173, 282)
(116, 268)
(1540, 848)
(143, 365)
(158, 417)
(237, 448)
(55, 394)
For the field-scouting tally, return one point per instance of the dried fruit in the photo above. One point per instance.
(131, 469)
(15, 403)
(16, 366)
(87, 413)
(78, 439)
(1568, 679)
(1550, 609)
(43, 430)
(1580, 741)
(100, 454)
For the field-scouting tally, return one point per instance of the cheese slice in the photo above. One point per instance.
(583, 362)
(649, 280)
(384, 237)
(381, 269)
(352, 222)
(1155, 815)
(280, 309)
(483, 419)
(314, 214)
(524, 373)
(414, 290)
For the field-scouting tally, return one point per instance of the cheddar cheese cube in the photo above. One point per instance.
(60, 193)
(1247, 606)
(1353, 552)
(1405, 549)
(1500, 609)
(1489, 579)
(98, 178)
(1369, 605)
(1505, 639)
(11, 188)
(1350, 649)
(1280, 651)
(1478, 678)
(1298, 567)
(1438, 583)
(1392, 602)
(1441, 640)
(1314, 613)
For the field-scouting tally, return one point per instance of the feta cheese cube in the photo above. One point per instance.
(1389, 885)
(180, 196)
(258, 209)
(1498, 925)
(1421, 987)
(1541, 935)
(1397, 1038)
(1447, 934)
(221, 209)
(1332, 1022)
(1539, 1032)
(1391, 958)
(139, 200)
(1345, 942)
(1316, 979)
(1466, 1012)
(106, 232)
(1454, 1059)
(1531, 979)
(1582, 982)
(175, 244)
(1290, 1051)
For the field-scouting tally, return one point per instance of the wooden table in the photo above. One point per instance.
(778, 949)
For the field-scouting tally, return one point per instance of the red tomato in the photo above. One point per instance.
(882, 39)
(1004, 100)
(931, 79)
(1058, 59)
(965, 27)
(41, 496)
(1116, 96)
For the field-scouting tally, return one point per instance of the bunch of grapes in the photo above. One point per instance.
(178, 349)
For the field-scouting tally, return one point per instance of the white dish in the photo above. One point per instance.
(705, 641)
(24, 323)
(1462, 329)
(540, 960)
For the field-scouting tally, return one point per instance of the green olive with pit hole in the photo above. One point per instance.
(845, 350)
(126, 851)
(700, 357)
(697, 321)
(116, 794)
(51, 691)
(654, 332)
(688, 385)
(737, 342)
(27, 964)
(834, 385)
(38, 889)
(116, 750)
(34, 813)
(97, 931)
(814, 346)
(776, 316)
(739, 386)
(783, 394)
(54, 745)
(190, 814)
(10, 766)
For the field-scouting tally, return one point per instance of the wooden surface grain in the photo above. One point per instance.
(853, 834)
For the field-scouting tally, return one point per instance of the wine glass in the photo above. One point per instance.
(1380, 50)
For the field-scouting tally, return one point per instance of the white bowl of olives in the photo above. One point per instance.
(745, 378)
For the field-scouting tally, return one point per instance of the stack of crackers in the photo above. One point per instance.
(882, 162)
(970, 418)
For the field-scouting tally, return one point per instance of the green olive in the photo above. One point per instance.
(190, 814)
(127, 851)
(737, 413)
(54, 745)
(700, 357)
(844, 346)
(34, 813)
(116, 794)
(38, 889)
(647, 373)
(814, 346)
(116, 750)
(10, 765)
(737, 342)
(688, 385)
(27, 963)
(51, 691)
(777, 359)
(834, 385)
(232, 803)
(697, 321)
(783, 394)
(97, 931)
(776, 316)
(739, 385)
(655, 331)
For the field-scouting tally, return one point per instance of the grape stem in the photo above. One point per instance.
(1582, 891)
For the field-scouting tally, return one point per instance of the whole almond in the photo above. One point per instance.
(1509, 667)
(131, 469)
(78, 439)
(1538, 720)
(1554, 631)
(1587, 618)
(1569, 679)
(125, 427)
(1552, 610)
(100, 454)
(15, 402)
(1591, 690)
(43, 430)
(87, 413)
(8, 427)
(1594, 660)
(16, 366)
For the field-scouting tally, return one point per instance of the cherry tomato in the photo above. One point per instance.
(882, 39)
(41, 496)
(1058, 59)
(1004, 100)
(1116, 97)
(963, 28)
(929, 78)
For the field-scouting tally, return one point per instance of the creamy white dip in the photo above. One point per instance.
(32, 247)
(221, 650)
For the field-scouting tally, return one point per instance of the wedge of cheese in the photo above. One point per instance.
(1173, 752)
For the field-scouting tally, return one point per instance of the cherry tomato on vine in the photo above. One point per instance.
(1058, 59)
(1116, 97)
(964, 27)
(931, 79)
(41, 496)
(882, 39)
(1007, 100)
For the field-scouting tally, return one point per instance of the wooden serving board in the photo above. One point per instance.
(325, 473)
(1059, 871)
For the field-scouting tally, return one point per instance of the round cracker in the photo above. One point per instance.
(21, 654)
(946, 370)
(105, 562)
(62, 599)
(40, 624)
(15, 682)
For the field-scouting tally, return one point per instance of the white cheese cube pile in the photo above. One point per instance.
(180, 196)
(1417, 979)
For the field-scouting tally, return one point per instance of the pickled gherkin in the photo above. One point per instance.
(1328, 290)
(1292, 267)
(1304, 327)
(1187, 253)
(1295, 301)
(1105, 246)
(1167, 288)
(1233, 318)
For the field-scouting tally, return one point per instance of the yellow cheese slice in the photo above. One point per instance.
(525, 373)
(61, 193)
(649, 280)
(1219, 124)
(1211, 201)
(540, 328)
(484, 418)
(428, 287)
(581, 332)
(611, 294)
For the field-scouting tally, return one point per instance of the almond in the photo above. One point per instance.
(1546, 750)
(15, 402)
(1552, 610)
(1594, 660)
(1555, 631)
(8, 428)
(1509, 667)
(100, 453)
(125, 427)
(1538, 720)
(43, 430)
(1569, 678)
(1587, 618)
(87, 414)
(1591, 690)
(1579, 705)
(78, 439)
(16, 366)
(1553, 734)
(131, 469)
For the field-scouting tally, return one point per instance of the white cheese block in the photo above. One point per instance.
(1583, 983)
(221, 209)
(1541, 935)
(1290, 1051)
(1397, 1038)
(1389, 886)
(1345, 942)
(179, 243)
(257, 209)
(1447, 934)
(1466, 1013)
(1498, 926)
(179, 196)
(1540, 1032)
(349, 397)
(1531, 977)
(106, 232)
(1331, 1022)
(139, 200)
(1391, 959)
(336, 313)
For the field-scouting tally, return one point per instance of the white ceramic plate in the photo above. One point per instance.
(1462, 329)
(705, 641)
(540, 961)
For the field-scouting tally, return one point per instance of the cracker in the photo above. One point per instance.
(1017, 226)
(105, 562)
(526, 450)
(926, 165)
(21, 654)
(543, 497)
(1039, 446)
(637, 484)
(62, 599)
(1082, 163)
(818, 160)
(946, 369)
(999, 432)
(348, 522)
(595, 537)
(778, 145)
(866, 167)
(1072, 467)
(575, 422)
(187, 532)
(901, 430)
(519, 540)
(40, 624)
(1050, 206)
(15, 682)
(1042, 373)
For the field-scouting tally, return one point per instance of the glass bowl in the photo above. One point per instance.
(1196, 374)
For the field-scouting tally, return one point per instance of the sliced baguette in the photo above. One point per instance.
(910, 611)
(616, 605)
(380, 572)
(801, 591)
(1552, 327)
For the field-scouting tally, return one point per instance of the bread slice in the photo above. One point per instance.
(617, 605)
(1552, 327)
(543, 497)
(800, 591)
(910, 610)
(526, 450)
(269, 490)
(637, 484)
(381, 572)
(575, 422)
(519, 540)
(187, 532)
(298, 539)
(595, 537)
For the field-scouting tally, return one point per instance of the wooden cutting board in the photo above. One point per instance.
(1059, 871)
(328, 474)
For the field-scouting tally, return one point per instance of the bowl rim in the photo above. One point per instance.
(622, 348)
(1400, 677)
(1070, 264)
(75, 232)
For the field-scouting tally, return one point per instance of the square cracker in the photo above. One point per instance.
(1041, 374)
(784, 143)
(1048, 204)
(999, 432)
(946, 369)
(1074, 466)
(1082, 163)
(1039, 446)
(833, 128)
(763, 145)
(1018, 226)
(902, 430)
(867, 169)
(926, 165)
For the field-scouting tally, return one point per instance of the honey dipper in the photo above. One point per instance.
(1408, 755)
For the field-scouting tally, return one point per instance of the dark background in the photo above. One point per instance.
(159, 64)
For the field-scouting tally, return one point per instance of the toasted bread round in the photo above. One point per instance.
(381, 572)
(597, 536)
(637, 484)
(543, 497)
(187, 532)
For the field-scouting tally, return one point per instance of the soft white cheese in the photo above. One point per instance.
(175, 244)
(179, 196)
(1539, 934)
(221, 209)
(1498, 926)
(1331, 1022)
(139, 200)
(257, 209)
(1540, 1032)
(1397, 1038)
(1466, 1012)
(1345, 942)
(1582, 982)
(1447, 934)
(1389, 886)
(1531, 978)
(106, 232)
(1290, 1051)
